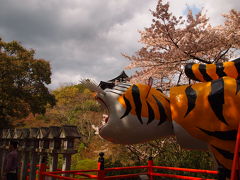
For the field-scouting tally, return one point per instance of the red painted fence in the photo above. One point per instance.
(101, 172)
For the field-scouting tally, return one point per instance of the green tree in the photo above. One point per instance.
(23, 81)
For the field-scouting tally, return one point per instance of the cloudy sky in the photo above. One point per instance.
(85, 38)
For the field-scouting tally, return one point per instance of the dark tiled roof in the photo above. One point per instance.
(43, 132)
(111, 83)
(5, 133)
(121, 77)
(25, 133)
(54, 132)
(69, 132)
(105, 85)
(10, 133)
(17, 133)
(33, 133)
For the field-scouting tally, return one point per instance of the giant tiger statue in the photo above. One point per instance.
(203, 116)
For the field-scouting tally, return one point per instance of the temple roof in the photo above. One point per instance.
(105, 85)
(123, 76)
(111, 83)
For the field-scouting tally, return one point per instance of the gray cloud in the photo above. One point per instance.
(80, 38)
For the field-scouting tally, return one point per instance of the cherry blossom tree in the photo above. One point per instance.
(171, 42)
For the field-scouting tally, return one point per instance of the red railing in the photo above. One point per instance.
(101, 172)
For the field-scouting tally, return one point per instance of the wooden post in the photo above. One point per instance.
(4, 153)
(43, 145)
(101, 172)
(24, 167)
(19, 164)
(67, 135)
(42, 158)
(150, 169)
(53, 163)
(17, 137)
(1, 160)
(34, 158)
(54, 147)
(33, 163)
(66, 163)
(1, 151)
(4, 149)
(42, 169)
(25, 153)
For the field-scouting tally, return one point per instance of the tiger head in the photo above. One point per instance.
(136, 113)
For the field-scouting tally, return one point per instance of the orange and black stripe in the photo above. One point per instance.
(191, 97)
(137, 102)
(144, 101)
(209, 72)
(209, 111)
(229, 135)
(215, 97)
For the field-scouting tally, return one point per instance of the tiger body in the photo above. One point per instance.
(208, 111)
(204, 115)
(212, 118)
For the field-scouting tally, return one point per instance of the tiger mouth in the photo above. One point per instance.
(105, 116)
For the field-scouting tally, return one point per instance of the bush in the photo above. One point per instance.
(84, 164)
(91, 105)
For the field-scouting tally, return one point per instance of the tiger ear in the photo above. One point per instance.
(150, 82)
